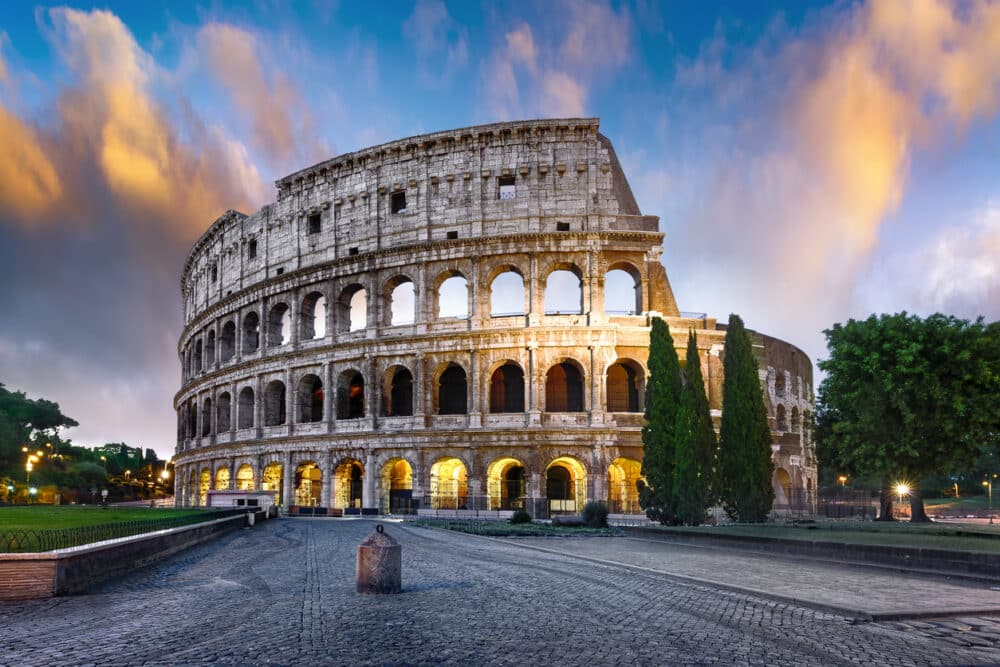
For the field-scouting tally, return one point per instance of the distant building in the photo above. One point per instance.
(455, 321)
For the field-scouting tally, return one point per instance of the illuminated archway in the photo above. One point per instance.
(190, 491)
(397, 487)
(270, 480)
(506, 484)
(449, 485)
(623, 492)
(566, 485)
(308, 484)
(222, 479)
(244, 478)
(204, 485)
(782, 488)
(348, 481)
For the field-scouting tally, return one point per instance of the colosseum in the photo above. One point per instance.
(452, 323)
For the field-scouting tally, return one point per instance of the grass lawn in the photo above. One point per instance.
(504, 529)
(971, 503)
(53, 517)
(958, 537)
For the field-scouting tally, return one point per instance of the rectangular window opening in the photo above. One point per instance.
(507, 188)
(452, 235)
(562, 226)
(397, 202)
(280, 270)
(314, 223)
(352, 251)
(215, 274)
(252, 249)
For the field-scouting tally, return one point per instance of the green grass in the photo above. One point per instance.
(50, 517)
(963, 537)
(504, 529)
(971, 503)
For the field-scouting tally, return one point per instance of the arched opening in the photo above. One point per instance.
(397, 487)
(782, 484)
(350, 395)
(192, 415)
(507, 389)
(796, 423)
(222, 479)
(566, 485)
(623, 291)
(348, 485)
(624, 387)
(308, 485)
(564, 292)
(251, 332)
(191, 491)
(506, 484)
(507, 294)
(402, 301)
(312, 317)
(352, 309)
(244, 409)
(274, 403)
(780, 421)
(310, 399)
(449, 485)
(227, 341)
(204, 485)
(779, 384)
(564, 388)
(198, 361)
(210, 349)
(223, 412)
(206, 418)
(452, 391)
(399, 392)
(453, 297)
(244, 478)
(279, 325)
(623, 491)
(271, 480)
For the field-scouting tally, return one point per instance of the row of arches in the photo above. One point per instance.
(563, 392)
(563, 294)
(448, 484)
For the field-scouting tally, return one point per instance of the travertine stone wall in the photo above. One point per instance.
(529, 198)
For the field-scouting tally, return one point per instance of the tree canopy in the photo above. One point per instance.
(906, 397)
(23, 419)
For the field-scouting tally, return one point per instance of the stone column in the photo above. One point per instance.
(368, 485)
(258, 405)
(238, 338)
(419, 391)
(328, 391)
(234, 402)
(533, 390)
(287, 480)
(294, 308)
(290, 392)
(536, 301)
(232, 473)
(472, 392)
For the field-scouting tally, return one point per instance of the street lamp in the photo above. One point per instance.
(31, 494)
(902, 490)
(843, 480)
(988, 483)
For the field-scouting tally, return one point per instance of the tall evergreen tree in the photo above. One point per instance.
(663, 391)
(745, 466)
(695, 444)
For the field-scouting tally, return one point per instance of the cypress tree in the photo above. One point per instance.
(662, 398)
(695, 444)
(745, 466)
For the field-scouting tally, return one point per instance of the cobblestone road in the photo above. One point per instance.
(282, 593)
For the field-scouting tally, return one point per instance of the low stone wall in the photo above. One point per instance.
(975, 564)
(26, 576)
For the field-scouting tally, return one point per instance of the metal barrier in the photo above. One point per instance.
(29, 540)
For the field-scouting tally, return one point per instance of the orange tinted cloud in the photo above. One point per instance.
(28, 182)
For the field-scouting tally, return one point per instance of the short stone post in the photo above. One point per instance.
(380, 564)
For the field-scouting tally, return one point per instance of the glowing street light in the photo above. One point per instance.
(843, 480)
(988, 483)
(32, 492)
(902, 490)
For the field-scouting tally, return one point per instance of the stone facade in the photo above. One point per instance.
(392, 333)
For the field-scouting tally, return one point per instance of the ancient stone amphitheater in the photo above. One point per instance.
(455, 322)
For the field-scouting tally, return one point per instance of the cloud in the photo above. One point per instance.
(440, 43)
(280, 123)
(526, 75)
(28, 180)
(818, 157)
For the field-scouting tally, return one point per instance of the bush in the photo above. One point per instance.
(595, 513)
(520, 516)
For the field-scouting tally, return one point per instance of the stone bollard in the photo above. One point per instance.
(380, 564)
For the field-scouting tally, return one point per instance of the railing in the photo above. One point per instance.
(29, 540)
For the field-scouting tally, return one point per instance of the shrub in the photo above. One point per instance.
(595, 513)
(520, 516)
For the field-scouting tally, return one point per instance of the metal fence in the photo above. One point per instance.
(29, 540)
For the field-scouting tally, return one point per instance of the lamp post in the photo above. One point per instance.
(31, 494)
(988, 483)
(843, 480)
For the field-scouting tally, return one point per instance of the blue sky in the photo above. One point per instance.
(809, 162)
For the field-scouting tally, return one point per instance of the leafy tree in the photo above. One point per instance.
(695, 444)
(22, 421)
(906, 398)
(745, 466)
(663, 392)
